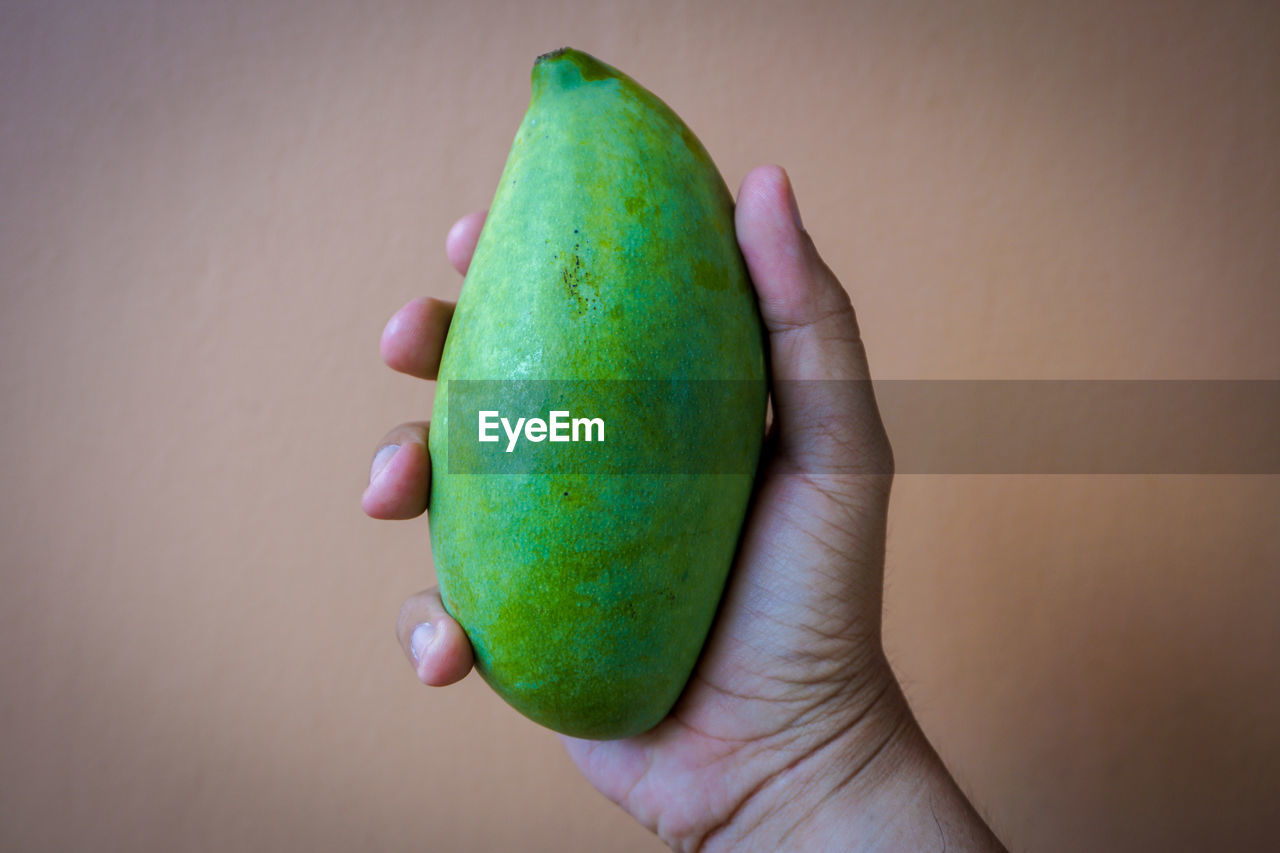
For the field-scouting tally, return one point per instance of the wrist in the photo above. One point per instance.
(876, 786)
(832, 796)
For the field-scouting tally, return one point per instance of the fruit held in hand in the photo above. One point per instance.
(608, 256)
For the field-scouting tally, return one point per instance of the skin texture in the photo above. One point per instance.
(608, 256)
(792, 733)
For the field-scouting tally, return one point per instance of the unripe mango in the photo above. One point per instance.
(609, 260)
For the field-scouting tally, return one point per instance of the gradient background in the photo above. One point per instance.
(208, 210)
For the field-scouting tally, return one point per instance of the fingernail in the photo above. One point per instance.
(381, 459)
(420, 639)
(795, 208)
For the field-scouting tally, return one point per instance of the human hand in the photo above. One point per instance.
(792, 732)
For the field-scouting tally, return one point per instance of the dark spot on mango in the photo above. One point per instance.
(710, 276)
(572, 276)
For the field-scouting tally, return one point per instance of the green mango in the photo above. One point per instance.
(609, 259)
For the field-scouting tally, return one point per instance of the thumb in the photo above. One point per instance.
(824, 409)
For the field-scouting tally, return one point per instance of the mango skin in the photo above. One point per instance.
(609, 252)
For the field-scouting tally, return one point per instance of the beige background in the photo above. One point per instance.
(208, 210)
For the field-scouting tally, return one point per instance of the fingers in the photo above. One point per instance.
(825, 411)
(460, 245)
(400, 475)
(436, 645)
(414, 337)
